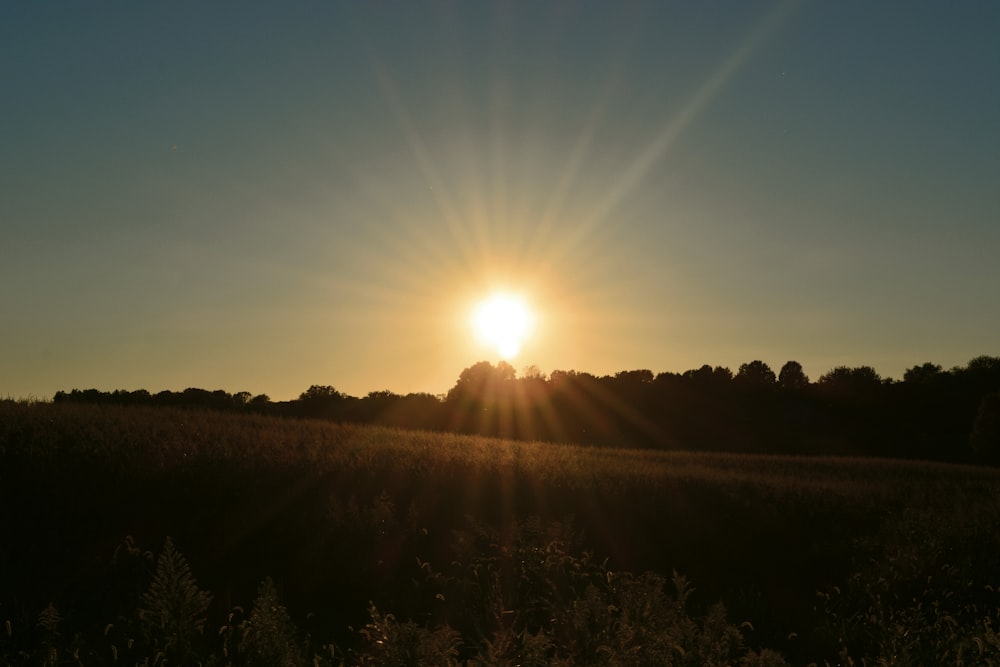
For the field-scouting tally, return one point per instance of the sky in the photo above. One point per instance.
(262, 196)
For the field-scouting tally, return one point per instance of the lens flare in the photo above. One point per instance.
(503, 322)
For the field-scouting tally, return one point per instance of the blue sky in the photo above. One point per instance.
(263, 196)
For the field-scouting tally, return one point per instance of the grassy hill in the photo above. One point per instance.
(822, 557)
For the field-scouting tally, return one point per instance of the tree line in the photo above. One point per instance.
(932, 413)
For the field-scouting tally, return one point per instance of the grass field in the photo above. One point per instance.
(363, 529)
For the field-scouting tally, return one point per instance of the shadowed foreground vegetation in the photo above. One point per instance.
(293, 540)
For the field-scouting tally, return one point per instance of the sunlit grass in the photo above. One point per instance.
(146, 441)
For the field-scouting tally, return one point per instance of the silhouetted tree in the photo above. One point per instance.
(701, 376)
(981, 376)
(756, 373)
(260, 401)
(580, 409)
(850, 381)
(855, 410)
(480, 379)
(319, 392)
(722, 374)
(796, 410)
(635, 378)
(706, 376)
(984, 364)
(923, 373)
(482, 399)
(321, 401)
(791, 376)
(930, 413)
(984, 441)
(375, 407)
(698, 408)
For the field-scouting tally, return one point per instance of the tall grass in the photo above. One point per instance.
(342, 512)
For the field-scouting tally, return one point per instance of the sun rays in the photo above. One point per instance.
(513, 193)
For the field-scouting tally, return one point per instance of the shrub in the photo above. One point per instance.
(269, 638)
(173, 609)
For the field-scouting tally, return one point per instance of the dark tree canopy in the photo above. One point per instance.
(984, 365)
(791, 376)
(932, 413)
(481, 379)
(846, 380)
(707, 376)
(984, 441)
(756, 373)
(320, 393)
(925, 372)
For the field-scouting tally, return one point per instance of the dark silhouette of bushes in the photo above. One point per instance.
(848, 410)
(540, 602)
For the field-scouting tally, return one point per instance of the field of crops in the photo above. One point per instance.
(387, 545)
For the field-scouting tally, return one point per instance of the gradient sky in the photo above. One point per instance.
(263, 196)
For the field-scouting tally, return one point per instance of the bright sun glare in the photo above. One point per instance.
(502, 321)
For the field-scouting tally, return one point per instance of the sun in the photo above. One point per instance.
(502, 321)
